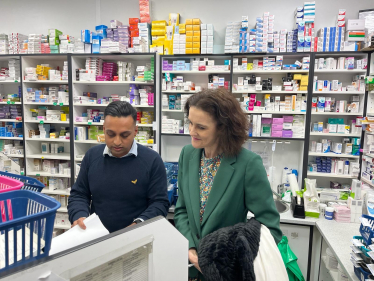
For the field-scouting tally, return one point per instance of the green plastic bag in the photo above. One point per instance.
(290, 261)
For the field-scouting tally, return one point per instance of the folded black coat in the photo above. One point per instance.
(228, 253)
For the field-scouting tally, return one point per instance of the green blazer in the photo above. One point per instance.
(240, 185)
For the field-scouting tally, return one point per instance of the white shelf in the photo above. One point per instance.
(15, 155)
(369, 155)
(60, 82)
(332, 71)
(117, 83)
(269, 92)
(180, 92)
(78, 159)
(370, 114)
(88, 141)
(276, 112)
(43, 103)
(197, 72)
(334, 274)
(92, 123)
(4, 102)
(59, 156)
(62, 210)
(9, 82)
(54, 140)
(105, 105)
(330, 175)
(144, 125)
(172, 110)
(10, 138)
(338, 113)
(9, 120)
(55, 192)
(147, 144)
(270, 71)
(339, 93)
(332, 154)
(61, 226)
(47, 122)
(334, 135)
(45, 174)
(367, 182)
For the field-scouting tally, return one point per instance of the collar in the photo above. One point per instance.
(133, 151)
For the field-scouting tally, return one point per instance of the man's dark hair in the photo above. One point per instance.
(120, 109)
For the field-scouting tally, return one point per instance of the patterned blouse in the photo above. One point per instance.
(208, 170)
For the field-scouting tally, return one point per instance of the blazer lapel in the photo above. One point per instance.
(194, 186)
(220, 184)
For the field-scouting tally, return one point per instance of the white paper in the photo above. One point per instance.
(77, 236)
(50, 276)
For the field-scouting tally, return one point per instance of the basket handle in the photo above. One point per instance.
(2, 210)
(10, 210)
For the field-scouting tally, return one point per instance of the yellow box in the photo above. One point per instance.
(158, 32)
(189, 21)
(303, 88)
(297, 77)
(63, 117)
(196, 21)
(189, 27)
(189, 45)
(196, 44)
(182, 26)
(168, 47)
(196, 33)
(195, 38)
(159, 24)
(182, 31)
(304, 80)
(196, 27)
(188, 50)
(189, 33)
(189, 38)
(196, 50)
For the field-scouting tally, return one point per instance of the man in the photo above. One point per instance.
(123, 182)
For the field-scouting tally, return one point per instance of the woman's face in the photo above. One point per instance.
(203, 129)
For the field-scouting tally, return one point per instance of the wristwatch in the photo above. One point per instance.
(138, 221)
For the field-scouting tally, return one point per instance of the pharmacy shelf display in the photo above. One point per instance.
(338, 105)
(93, 89)
(182, 76)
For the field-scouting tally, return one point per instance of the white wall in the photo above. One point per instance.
(70, 16)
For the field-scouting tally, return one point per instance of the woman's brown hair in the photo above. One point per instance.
(232, 122)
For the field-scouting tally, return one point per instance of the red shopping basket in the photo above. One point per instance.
(9, 184)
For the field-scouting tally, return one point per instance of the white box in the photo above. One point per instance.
(210, 38)
(355, 24)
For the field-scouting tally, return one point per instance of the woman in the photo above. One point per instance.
(218, 180)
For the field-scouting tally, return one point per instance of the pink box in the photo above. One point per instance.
(250, 107)
(277, 127)
(288, 119)
(266, 120)
(258, 103)
(276, 134)
(278, 121)
(287, 134)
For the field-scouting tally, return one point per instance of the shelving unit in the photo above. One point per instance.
(331, 154)
(48, 82)
(330, 175)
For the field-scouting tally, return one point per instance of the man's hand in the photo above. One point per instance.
(192, 256)
(134, 223)
(80, 223)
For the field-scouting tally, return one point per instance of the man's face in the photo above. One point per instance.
(119, 134)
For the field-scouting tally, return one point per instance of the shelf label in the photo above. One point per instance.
(12, 102)
(61, 103)
(15, 81)
(41, 122)
(38, 175)
(8, 102)
(89, 123)
(55, 103)
(42, 157)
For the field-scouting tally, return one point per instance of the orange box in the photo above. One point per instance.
(188, 50)
(189, 38)
(196, 50)
(196, 27)
(196, 45)
(189, 27)
(195, 39)
(196, 21)
(189, 21)
(196, 33)
(189, 44)
(189, 33)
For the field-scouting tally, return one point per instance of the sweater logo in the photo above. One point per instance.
(135, 181)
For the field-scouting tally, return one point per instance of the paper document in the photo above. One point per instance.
(77, 236)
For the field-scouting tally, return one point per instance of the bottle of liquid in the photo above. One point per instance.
(346, 168)
(294, 171)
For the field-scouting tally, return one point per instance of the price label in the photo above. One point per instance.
(22, 173)
(42, 157)
(41, 122)
(13, 102)
(38, 175)
(89, 123)
(61, 104)
(15, 81)
(55, 103)
(8, 102)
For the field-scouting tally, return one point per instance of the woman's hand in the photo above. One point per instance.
(192, 256)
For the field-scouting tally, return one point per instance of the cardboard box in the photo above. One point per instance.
(196, 50)
(196, 22)
(196, 27)
(189, 27)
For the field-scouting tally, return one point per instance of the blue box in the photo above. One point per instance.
(86, 36)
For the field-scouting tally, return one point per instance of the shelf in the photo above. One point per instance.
(60, 82)
(369, 155)
(334, 135)
(367, 182)
(330, 175)
(339, 93)
(180, 92)
(55, 192)
(44, 103)
(59, 156)
(10, 120)
(269, 92)
(147, 144)
(179, 135)
(15, 155)
(78, 159)
(5, 102)
(371, 114)
(117, 83)
(88, 141)
(333, 71)
(9, 82)
(173, 110)
(45, 174)
(338, 113)
(276, 112)
(274, 138)
(54, 140)
(198, 72)
(334, 274)
(10, 138)
(270, 71)
(47, 122)
(105, 105)
(332, 154)
(91, 123)
(61, 226)
(145, 125)
(63, 210)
